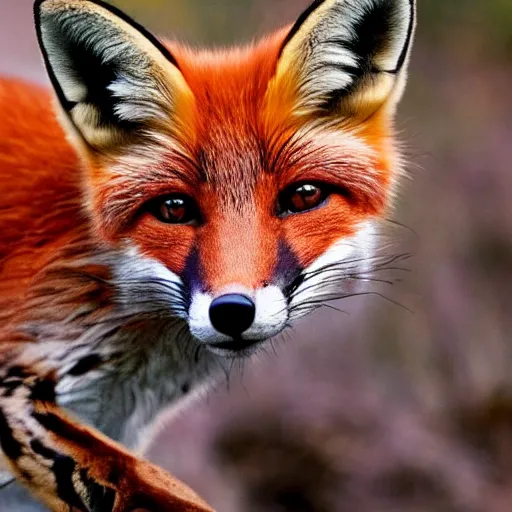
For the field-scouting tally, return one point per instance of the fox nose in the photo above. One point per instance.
(232, 314)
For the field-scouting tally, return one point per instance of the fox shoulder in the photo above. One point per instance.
(40, 199)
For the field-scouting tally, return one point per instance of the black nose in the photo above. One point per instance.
(232, 314)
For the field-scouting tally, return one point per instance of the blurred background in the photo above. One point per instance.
(405, 402)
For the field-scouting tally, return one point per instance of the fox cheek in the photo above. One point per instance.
(337, 273)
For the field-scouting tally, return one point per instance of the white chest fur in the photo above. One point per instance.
(151, 369)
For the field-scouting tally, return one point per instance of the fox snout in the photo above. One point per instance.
(237, 276)
(237, 319)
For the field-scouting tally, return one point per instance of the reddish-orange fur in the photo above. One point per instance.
(41, 215)
(41, 200)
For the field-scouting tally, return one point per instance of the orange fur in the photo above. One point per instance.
(41, 203)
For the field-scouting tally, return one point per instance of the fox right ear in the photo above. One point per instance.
(111, 76)
(347, 57)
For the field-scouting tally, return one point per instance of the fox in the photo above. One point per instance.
(165, 210)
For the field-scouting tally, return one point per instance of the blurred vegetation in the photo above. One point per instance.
(487, 23)
(197, 22)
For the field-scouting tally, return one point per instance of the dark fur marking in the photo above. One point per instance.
(27, 477)
(60, 427)
(288, 270)
(99, 497)
(10, 446)
(114, 477)
(17, 372)
(10, 387)
(63, 468)
(38, 447)
(373, 31)
(52, 423)
(44, 391)
(112, 332)
(405, 50)
(86, 364)
(192, 276)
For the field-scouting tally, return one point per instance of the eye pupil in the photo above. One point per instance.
(303, 198)
(174, 210)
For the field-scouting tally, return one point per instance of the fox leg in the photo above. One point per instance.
(71, 467)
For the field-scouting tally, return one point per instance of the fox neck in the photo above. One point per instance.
(161, 367)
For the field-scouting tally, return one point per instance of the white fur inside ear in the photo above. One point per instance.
(324, 61)
(327, 74)
(138, 99)
(74, 90)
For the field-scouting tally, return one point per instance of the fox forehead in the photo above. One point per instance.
(240, 109)
(233, 128)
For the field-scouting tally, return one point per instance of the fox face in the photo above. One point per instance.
(239, 189)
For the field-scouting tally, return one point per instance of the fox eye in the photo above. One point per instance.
(174, 209)
(303, 197)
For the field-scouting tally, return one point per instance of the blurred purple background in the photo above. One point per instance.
(381, 409)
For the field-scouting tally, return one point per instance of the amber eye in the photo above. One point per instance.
(301, 198)
(174, 209)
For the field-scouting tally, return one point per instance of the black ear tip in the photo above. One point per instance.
(37, 18)
(37, 7)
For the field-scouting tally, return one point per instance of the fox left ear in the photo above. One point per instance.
(112, 77)
(348, 57)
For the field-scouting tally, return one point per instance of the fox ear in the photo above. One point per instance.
(111, 76)
(347, 57)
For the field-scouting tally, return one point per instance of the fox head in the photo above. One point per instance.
(243, 186)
